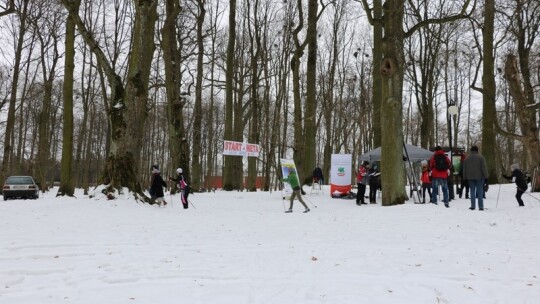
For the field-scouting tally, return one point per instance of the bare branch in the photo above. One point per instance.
(462, 15)
(9, 9)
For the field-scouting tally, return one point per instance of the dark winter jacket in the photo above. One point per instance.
(435, 173)
(156, 187)
(180, 181)
(474, 167)
(519, 178)
(317, 173)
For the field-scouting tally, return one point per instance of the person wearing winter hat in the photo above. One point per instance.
(183, 186)
(519, 179)
(156, 187)
(476, 173)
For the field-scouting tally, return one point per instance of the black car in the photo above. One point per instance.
(20, 186)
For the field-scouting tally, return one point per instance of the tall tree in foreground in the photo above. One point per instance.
(173, 77)
(17, 66)
(392, 72)
(197, 171)
(228, 169)
(489, 114)
(67, 186)
(128, 103)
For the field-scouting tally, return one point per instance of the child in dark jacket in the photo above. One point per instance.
(519, 178)
(156, 187)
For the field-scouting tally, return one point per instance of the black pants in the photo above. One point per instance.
(519, 194)
(426, 187)
(464, 184)
(361, 193)
(185, 194)
(373, 193)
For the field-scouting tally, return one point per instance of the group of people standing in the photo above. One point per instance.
(474, 176)
(367, 175)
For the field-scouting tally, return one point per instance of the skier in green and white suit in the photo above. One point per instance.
(292, 180)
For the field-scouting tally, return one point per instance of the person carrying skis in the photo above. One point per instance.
(182, 185)
(519, 178)
(156, 187)
(292, 180)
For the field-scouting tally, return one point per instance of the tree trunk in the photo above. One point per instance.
(179, 149)
(392, 71)
(128, 107)
(228, 169)
(489, 114)
(197, 111)
(377, 54)
(10, 123)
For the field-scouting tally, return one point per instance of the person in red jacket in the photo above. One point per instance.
(440, 164)
(362, 179)
(425, 179)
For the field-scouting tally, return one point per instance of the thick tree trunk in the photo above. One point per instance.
(197, 111)
(10, 123)
(228, 169)
(526, 116)
(392, 71)
(128, 106)
(310, 121)
(173, 76)
(377, 81)
(489, 114)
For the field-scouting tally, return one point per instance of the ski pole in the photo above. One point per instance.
(536, 198)
(498, 193)
(309, 201)
(189, 201)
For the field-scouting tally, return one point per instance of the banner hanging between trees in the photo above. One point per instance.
(236, 148)
(340, 174)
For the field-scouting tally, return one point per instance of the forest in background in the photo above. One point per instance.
(160, 82)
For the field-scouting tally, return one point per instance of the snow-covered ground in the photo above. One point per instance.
(238, 247)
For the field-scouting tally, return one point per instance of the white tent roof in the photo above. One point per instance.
(415, 154)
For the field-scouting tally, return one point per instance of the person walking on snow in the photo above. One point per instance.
(362, 179)
(292, 180)
(439, 164)
(183, 186)
(519, 178)
(476, 173)
(156, 187)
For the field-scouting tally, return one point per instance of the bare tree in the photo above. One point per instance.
(7, 8)
(392, 71)
(10, 124)
(128, 108)
(67, 185)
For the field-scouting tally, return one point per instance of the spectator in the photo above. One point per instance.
(475, 172)
(440, 164)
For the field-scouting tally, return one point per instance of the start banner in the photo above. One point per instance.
(240, 149)
(341, 174)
